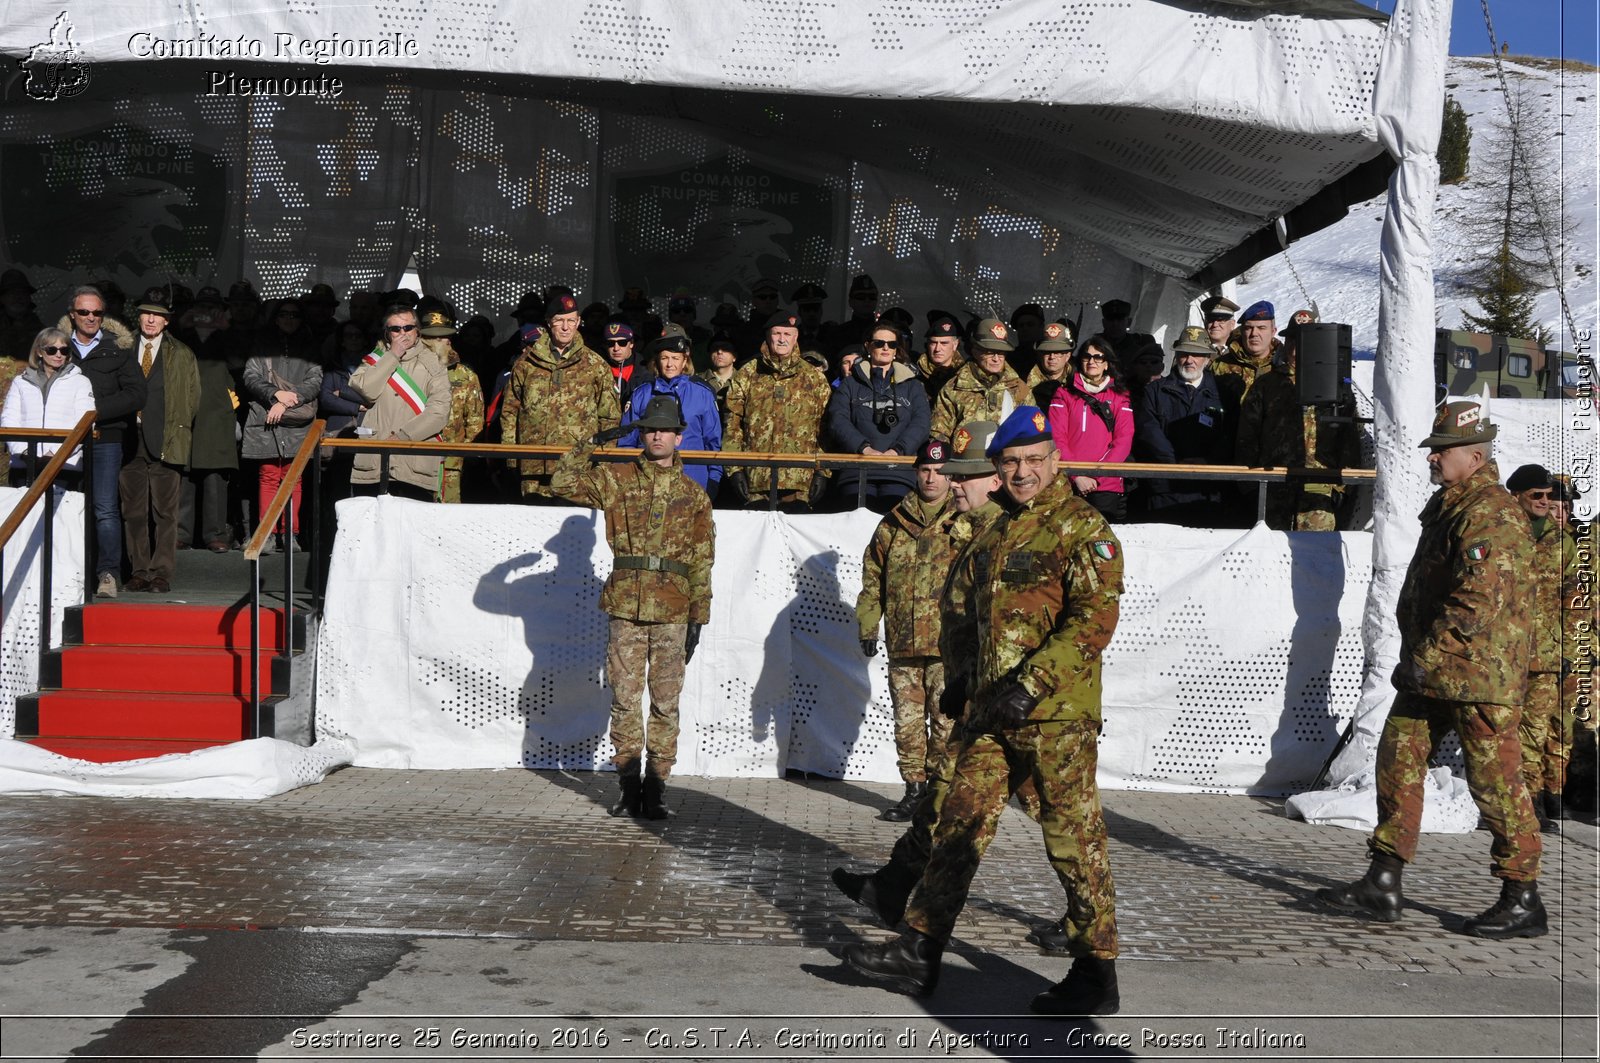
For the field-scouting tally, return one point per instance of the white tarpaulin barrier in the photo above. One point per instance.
(250, 770)
(470, 636)
(19, 594)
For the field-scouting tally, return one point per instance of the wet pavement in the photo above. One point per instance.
(511, 893)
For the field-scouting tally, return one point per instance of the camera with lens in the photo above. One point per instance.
(885, 416)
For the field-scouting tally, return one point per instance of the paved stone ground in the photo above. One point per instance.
(744, 861)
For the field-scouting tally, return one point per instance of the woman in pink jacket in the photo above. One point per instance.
(1092, 420)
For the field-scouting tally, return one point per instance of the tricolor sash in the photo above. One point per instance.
(402, 384)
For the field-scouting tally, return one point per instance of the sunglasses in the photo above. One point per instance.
(89, 313)
(392, 329)
(1095, 356)
(1537, 496)
(65, 350)
(618, 343)
(879, 345)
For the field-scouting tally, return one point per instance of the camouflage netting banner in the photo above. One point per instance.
(968, 155)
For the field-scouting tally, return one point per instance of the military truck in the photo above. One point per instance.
(1512, 367)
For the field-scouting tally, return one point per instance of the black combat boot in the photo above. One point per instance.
(1375, 896)
(884, 892)
(628, 805)
(1090, 988)
(909, 964)
(1517, 914)
(653, 805)
(899, 813)
(1052, 937)
(1545, 826)
(1554, 807)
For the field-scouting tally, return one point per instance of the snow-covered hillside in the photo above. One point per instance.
(1339, 265)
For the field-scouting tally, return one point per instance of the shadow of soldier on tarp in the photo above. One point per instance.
(554, 592)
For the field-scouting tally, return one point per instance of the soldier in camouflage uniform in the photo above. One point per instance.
(1465, 629)
(986, 388)
(1275, 431)
(1054, 366)
(775, 404)
(658, 525)
(1039, 594)
(1239, 367)
(560, 391)
(1546, 727)
(466, 400)
(902, 580)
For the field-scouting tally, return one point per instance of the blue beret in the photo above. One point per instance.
(1259, 311)
(1026, 425)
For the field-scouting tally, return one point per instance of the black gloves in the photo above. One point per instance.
(869, 647)
(1011, 706)
(690, 641)
(1408, 677)
(739, 483)
(953, 699)
(611, 434)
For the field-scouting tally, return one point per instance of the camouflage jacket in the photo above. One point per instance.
(1041, 589)
(973, 395)
(776, 408)
(555, 401)
(1276, 431)
(1555, 583)
(1465, 616)
(1236, 373)
(651, 512)
(466, 411)
(935, 377)
(958, 634)
(902, 576)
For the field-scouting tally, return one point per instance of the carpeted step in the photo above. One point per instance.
(158, 669)
(108, 714)
(107, 750)
(160, 624)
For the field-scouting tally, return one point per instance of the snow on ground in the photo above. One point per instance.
(1339, 265)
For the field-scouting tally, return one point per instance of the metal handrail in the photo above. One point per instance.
(278, 509)
(42, 487)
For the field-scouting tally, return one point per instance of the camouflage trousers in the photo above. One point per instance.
(637, 649)
(920, 729)
(1488, 735)
(1302, 507)
(1546, 733)
(1060, 759)
(450, 480)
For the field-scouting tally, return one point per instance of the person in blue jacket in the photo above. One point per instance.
(670, 355)
(880, 408)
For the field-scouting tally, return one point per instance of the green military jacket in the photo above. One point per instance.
(903, 573)
(1555, 584)
(934, 377)
(958, 632)
(1465, 613)
(1041, 588)
(1236, 373)
(776, 408)
(466, 410)
(973, 395)
(556, 400)
(653, 514)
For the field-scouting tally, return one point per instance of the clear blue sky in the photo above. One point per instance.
(1532, 27)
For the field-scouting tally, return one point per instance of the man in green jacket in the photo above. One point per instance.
(151, 480)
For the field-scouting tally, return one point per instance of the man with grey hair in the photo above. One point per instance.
(1465, 634)
(105, 352)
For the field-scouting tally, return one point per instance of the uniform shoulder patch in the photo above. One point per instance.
(1478, 550)
(1104, 549)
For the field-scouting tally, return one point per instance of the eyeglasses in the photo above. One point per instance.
(1032, 461)
(89, 313)
(392, 329)
(879, 345)
(65, 350)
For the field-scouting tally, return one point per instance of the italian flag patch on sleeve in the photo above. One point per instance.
(1477, 551)
(1105, 549)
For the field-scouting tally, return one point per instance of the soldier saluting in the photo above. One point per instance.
(658, 525)
(1465, 634)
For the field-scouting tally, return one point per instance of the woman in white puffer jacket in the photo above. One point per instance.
(51, 393)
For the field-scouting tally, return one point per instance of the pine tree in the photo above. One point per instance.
(1455, 143)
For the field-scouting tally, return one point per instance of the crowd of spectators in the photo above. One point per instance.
(775, 378)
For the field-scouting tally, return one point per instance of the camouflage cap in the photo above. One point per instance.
(1057, 337)
(1458, 423)
(992, 334)
(1192, 340)
(967, 449)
